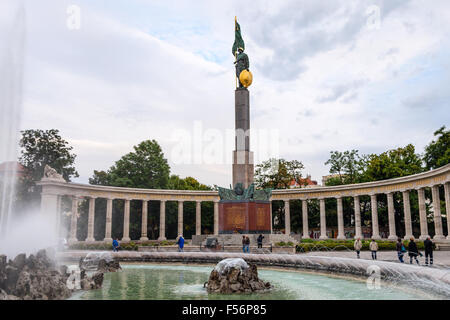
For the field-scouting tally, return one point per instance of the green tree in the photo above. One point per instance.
(393, 163)
(437, 153)
(144, 168)
(46, 147)
(349, 165)
(278, 173)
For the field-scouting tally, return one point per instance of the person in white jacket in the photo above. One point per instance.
(373, 248)
(357, 245)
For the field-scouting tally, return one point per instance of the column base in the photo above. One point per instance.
(341, 238)
(423, 237)
(376, 237)
(358, 236)
(408, 236)
(125, 240)
(392, 237)
(143, 239)
(90, 240)
(72, 241)
(107, 240)
(323, 237)
(162, 238)
(439, 237)
(306, 237)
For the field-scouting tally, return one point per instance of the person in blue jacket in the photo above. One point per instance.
(180, 243)
(115, 245)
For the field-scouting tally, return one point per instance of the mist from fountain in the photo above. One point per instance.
(11, 68)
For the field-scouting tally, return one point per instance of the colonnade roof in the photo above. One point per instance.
(426, 179)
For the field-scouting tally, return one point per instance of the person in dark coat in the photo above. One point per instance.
(413, 251)
(428, 250)
(260, 240)
(400, 250)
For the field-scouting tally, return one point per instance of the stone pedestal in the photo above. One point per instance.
(245, 217)
(243, 166)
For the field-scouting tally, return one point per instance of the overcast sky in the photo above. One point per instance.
(328, 75)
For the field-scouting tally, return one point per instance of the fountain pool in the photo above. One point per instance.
(182, 282)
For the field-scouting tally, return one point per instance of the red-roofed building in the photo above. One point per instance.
(303, 183)
(11, 167)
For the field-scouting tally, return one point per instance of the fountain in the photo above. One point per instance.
(11, 69)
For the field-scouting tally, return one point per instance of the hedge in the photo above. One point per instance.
(128, 246)
(307, 245)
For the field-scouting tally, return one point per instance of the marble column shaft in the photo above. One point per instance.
(109, 206)
(340, 216)
(74, 220)
(407, 215)
(305, 219)
(91, 217)
(180, 217)
(447, 206)
(287, 217)
(198, 218)
(391, 216)
(374, 207)
(216, 217)
(126, 221)
(323, 220)
(422, 214)
(438, 232)
(144, 222)
(162, 220)
(357, 208)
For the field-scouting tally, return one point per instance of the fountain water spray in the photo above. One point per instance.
(11, 69)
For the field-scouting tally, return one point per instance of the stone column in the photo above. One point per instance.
(109, 206)
(287, 217)
(438, 232)
(407, 213)
(144, 221)
(447, 206)
(58, 216)
(180, 217)
(73, 221)
(422, 214)
(391, 216)
(340, 216)
(357, 208)
(49, 208)
(162, 220)
(198, 218)
(374, 207)
(126, 221)
(271, 217)
(91, 217)
(323, 220)
(305, 219)
(216, 217)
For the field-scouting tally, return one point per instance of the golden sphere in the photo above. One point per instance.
(246, 78)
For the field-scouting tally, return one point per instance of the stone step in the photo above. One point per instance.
(443, 246)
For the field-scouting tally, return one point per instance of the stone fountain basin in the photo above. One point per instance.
(388, 271)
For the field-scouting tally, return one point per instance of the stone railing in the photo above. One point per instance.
(53, 190)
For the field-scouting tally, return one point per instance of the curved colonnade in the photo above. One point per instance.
(54, 190)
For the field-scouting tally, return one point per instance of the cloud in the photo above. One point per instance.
(140, 70)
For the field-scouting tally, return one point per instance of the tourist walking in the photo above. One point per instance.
(260, 241)
(413, 251)
(247, 244)
(428, 250)
(180, 243)
(400, 250)
(115, 245)
(243, 244)
(357, 245)
(373, 248)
